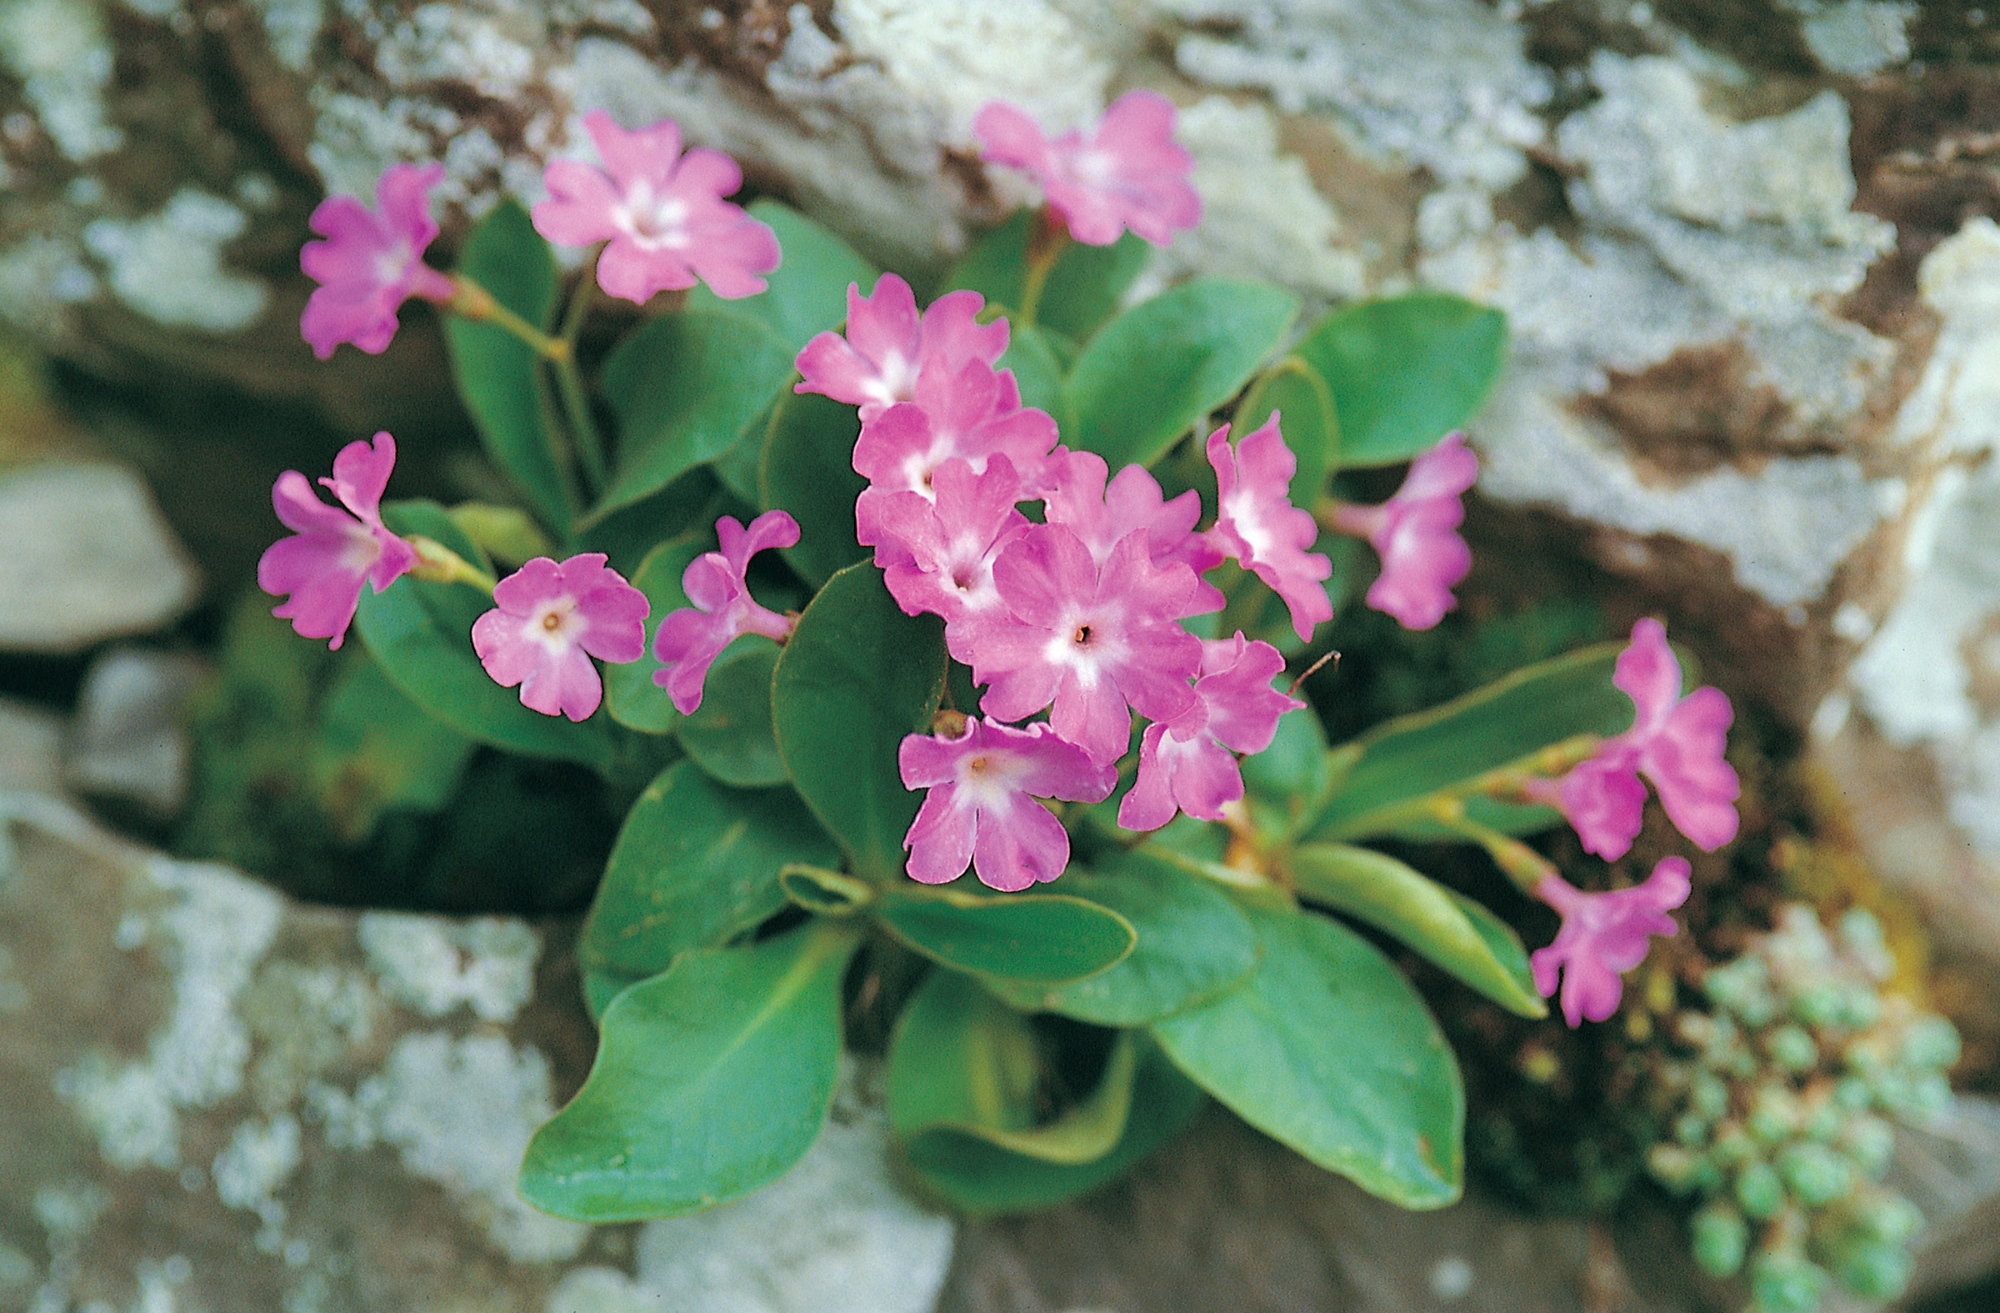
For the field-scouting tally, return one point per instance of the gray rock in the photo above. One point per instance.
(129, 740)
(218, 1099)
(85, 557)
(30, 748)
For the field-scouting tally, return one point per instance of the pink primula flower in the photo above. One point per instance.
(1189, 764)
(549, 621)
(875, 365)
(1415, 533)
(1100, 514)
(1128, 173)
(973, 412)
(981, 810)
(691, 638)
(331, 551)
(1096, 643)
(947, 547)
(371, 261)
(661, 211)
(1603, 936)
(1258, 525)
(1676, 742)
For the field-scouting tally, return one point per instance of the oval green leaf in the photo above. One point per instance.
(1475, 946)
(1149, 374)
(807, 293)
(499, 377)
(961, 1060)
(1531, 709)
(980, 1178)
(729, 734)
(1038, 371)
(856, 677)
(711, 1079)
(695, 865)
(1287, 783)
(1329, 1050)
(1193, 944)
(1040, 939)
(1082, 291)
(808, 470)
(685, 387)
(1405, 371)
(1304, 405)
(421, 636)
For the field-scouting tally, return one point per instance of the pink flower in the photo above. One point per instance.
(1189, 764)
(947, 547)
(370, 263)
(551, 619)
(981, 808)
(1093, 642)
(1258, 525)
(1604, 935)
(1676, 742)
(886, 345)
(661, 211)
(691, 638)
(973, 412)
(332, 552)
(1100, 515)
(1128, 173)
(1415, 533)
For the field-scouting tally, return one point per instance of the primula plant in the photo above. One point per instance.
(952, 646)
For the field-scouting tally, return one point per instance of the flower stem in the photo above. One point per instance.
(569, 384)
(438, 564)
(1045, 247)
(1505, 783)
(471, 301)
(1516, 860)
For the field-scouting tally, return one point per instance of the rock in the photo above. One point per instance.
(220, 1099)
(30, 748)
(129, 740)
(86, 557)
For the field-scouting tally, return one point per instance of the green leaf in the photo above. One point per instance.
(807, 292)
(685, 387)
(1037, 370)
(1040, 939)
(980, 1178)
(376, 750)
(1153, 371)
(828, 893)
(1411, 756)
(688, 505)
(421, 634)
(1082, 290)
(1329, 1050)
(630, 695)
(1304, 405)
(498, 375)
(1474, 946)
(808, 470)
(856, 677)
(1286, 784)
(710, 1080)
(729, 734)
(1405, 371)
(695, 865)
(962, 1061)
(1193, 944)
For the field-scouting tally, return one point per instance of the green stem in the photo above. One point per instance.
(471, 301)
(1506, 783)
(1045, 247)
(569, 384)
(438, 564)
(1516, 860)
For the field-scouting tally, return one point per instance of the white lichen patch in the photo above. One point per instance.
(1439, 83)
(833, 1235)
(1856, 37)
(259, 1158)
(40, 279)
(459, 1112)
(356, 137)
(435, 964)
(1956, 404)
(169, 267)
(59, 51)
(1261, 215)
(488, 46)
(211, 929)
(291, 28)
